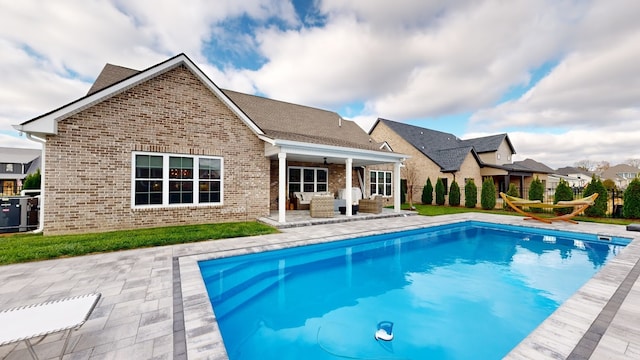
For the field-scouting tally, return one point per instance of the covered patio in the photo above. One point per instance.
(286, 153)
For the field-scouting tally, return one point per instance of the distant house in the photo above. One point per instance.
(15, 165)
(439, 155)
(621, 175)
(166, 146)
(577, 178)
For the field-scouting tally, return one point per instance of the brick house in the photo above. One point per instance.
(166, 146)
(435, 154)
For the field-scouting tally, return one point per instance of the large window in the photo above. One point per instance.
(308, 179)
(380, 182)
(167, 179)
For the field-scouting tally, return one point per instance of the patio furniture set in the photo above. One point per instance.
(324, 205)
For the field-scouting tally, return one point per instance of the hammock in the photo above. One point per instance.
(578, 205)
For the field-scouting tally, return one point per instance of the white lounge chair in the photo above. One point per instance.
(28, 322)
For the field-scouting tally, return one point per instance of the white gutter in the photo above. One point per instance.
(41, 200)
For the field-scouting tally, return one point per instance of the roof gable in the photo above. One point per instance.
(46, 124)
(489, 143)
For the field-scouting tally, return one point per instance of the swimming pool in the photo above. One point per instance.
(467, 290)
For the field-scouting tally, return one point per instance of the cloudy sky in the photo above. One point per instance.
(562, 78)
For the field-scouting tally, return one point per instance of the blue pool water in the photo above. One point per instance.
(462, 291)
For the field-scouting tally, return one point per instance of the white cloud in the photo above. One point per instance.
(408, 59)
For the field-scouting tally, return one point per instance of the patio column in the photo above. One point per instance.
(282, 186)
(397, 187)
(348, 184)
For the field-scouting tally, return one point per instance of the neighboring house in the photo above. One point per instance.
(166, 146)
(15, 165)
(577, 178)
(621, 175)
(528, 170)
(436, 154)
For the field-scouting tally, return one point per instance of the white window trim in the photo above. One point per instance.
(165, 181)
(315, 177)
(385, 183)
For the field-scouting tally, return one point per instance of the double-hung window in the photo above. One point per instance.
(308, 179)
(380, 182)
(172, 179)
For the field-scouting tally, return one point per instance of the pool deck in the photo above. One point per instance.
(154, 304)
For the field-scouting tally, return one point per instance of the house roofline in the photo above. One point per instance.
(46, 124)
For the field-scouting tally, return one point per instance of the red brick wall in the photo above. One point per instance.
(88, 164)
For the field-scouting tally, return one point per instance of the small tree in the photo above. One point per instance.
(411, 176)
(32, 181)
(488, 194)
(513, 191)
(470, 194)
(563, 193)
(599, 208)
(427, 193)
(454, 194)
(609, 184)
(631, 207)
(536, 192)
(439, 192)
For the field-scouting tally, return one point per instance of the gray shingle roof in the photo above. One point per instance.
(278, 119)
(444, 149)
(489, 143)
(287, 121)
(110, 75)
(533, 166)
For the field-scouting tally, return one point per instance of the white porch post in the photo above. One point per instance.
(396, 185)
(348, 185)
(282, 186)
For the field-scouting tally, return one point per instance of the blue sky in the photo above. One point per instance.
(559, 76)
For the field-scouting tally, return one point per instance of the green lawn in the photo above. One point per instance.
(21, 247)
(435, 210)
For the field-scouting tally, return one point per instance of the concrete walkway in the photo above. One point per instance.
(154, 305)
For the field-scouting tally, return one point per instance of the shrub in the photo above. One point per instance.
(513, 191)
(454, 194)
(488, 195)
(599, 208)
(631, 207)
(536, 192)
(439, 192)
(563, 193)
(32, 181)
(403, 191)
(427, 193)
(470, 194)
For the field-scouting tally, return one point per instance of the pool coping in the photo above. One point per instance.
(560, 336)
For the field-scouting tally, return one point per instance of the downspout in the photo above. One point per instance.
(42, 177)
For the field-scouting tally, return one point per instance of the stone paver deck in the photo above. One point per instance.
(154, 304)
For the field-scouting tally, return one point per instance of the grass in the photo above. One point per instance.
(16, 248)
(435, 210)
(21, 247)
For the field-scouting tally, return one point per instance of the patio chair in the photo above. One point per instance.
(28, 322)
(578, 205)
(321, 206)
(372, 206)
